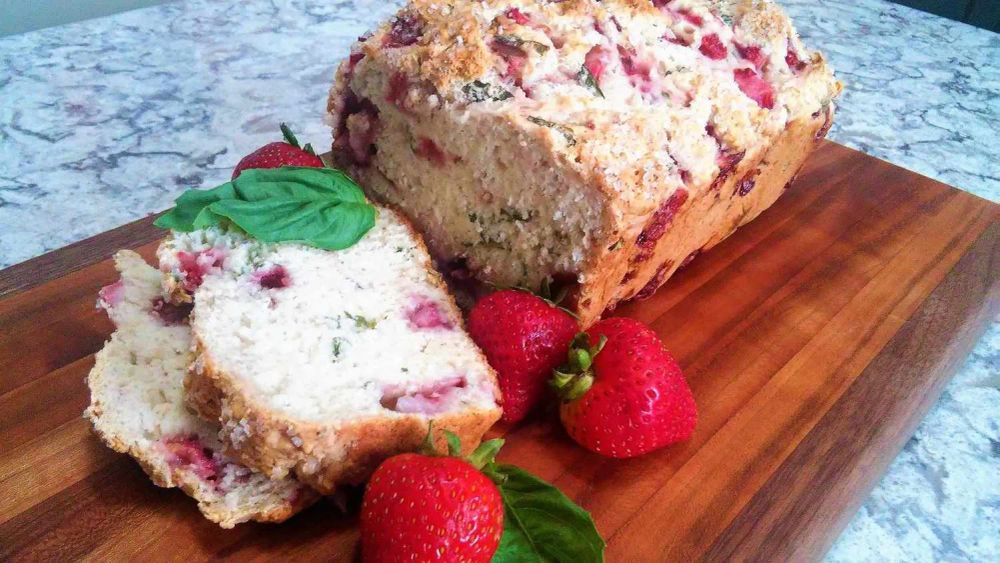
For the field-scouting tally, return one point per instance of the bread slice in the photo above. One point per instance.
(598, 144)
(137, 407)
(323, 364)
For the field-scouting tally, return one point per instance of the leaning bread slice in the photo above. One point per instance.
(137, 407)
(324, 363)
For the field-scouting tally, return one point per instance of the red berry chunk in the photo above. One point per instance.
(187, 452)
(111, 295)
(275, 277)
(746, 185)
(655, 282)
(727, 162)
(793, 61)
(631, 63)
(755, 87)
(396, 91)
(353, 60)
(429, 150)
(517, 15)
(595, 61)
(171, 313)
(658, 224)
(405, 31)
(434, 397)
(692, 18)
(751, 53)
(425, 313)
(712, 47)
(356, 142)
(514, 57)
(194, 266)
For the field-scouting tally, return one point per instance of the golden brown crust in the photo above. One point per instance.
(319, 454)
(451, 46)
(710, 215)
(200, 396)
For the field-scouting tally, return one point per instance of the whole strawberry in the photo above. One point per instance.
(278, 154)
(623, 393)
(524, 338)
(432, 508)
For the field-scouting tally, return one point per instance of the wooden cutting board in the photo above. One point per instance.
(815, 339)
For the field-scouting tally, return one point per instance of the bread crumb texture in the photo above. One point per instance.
(324, 363)
(137, 407)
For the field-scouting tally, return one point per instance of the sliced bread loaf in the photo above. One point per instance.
(598, 145)
(325, 363)
(137, 407)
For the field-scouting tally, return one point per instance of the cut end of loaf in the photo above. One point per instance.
(323, 363)
(137, 407)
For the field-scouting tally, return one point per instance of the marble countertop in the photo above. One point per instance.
(104, 121)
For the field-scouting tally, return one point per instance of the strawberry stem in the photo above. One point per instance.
(486, 453)
(574, 378)
(483, 456)
(544, 293)
(578, 387)
(428, 446)
(454, 444)
(286, 132)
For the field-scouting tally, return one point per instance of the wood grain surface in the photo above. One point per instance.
(814, 339)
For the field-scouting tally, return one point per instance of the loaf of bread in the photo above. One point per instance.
(137, 407)
(322, 364)
(596, 144)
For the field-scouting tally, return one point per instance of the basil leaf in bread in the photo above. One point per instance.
(563, 130)
(319, 207)
(586, 79)
(540, 523)
(478, 91)
(518, 43)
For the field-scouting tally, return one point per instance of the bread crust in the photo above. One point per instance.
(710, 216)
(320, 454)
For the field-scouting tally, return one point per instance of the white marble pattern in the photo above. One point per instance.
(104, 121)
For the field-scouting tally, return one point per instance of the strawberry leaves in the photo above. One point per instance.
(286, 132)
(574, 378)
(319, 207)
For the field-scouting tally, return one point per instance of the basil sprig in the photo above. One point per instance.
(540, 523)
(319, 207)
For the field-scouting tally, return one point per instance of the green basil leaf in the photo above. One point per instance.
(587, 80)
(478, 91)
(324, 224)
(320, 207)
(563, 130)
(296, 181)
(190, 204)
(542, 524)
